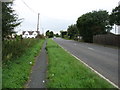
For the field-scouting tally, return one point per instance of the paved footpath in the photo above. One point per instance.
(38, 75)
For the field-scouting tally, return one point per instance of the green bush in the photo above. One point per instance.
(14, 48)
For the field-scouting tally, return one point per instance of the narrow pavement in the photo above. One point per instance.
(102, 59)
(38, 75)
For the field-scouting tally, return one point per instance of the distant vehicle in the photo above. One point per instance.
(54, 37)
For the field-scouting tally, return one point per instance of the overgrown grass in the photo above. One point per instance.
(64, 71)
(16, 71)
(15, 48)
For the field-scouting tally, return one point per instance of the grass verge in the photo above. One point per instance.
(16, 72)
(65, 71)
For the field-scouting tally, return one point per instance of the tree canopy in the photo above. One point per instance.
(63, 33)
(72, 31)
(49, 34)
(115, 16)
(57, 35)
(93, 23)
(9, 19)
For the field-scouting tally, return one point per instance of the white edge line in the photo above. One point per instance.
(92, 68)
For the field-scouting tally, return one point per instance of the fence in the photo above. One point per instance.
(107, 39)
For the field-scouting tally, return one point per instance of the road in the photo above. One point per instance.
(102, 59)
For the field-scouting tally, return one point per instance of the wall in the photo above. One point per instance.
(107, 39)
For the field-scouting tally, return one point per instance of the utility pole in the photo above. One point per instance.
(115, 28)
(43, 31)
(38, 22)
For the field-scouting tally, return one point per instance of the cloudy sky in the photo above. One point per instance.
(56, 15)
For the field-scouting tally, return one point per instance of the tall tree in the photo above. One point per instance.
(9, 19)
(93, 23)
(72, 31)
(115, 16)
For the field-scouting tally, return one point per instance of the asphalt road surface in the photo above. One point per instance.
(102, 59)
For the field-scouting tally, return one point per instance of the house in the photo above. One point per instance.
(116, 29)
(30, 34)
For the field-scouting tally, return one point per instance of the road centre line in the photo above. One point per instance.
(91, 48)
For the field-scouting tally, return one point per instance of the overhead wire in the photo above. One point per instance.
(29, 7)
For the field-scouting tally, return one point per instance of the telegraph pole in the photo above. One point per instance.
(38, 22)
(43, 31)
(115, 28)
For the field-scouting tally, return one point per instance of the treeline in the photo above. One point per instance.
(92, 23)
(50, 34)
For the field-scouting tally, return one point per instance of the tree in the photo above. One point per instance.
(115, 16)
(9, 19)
(63, 33)
(93, 23)
(49, 34)
(57, 35)
(72, 31)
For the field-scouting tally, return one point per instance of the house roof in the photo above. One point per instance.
(30, 32)
(23, 32)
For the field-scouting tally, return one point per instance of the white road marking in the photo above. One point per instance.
(91, 48)
(92, 69)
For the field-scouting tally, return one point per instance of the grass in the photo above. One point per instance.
(16, 72)
(13, 49)
(64, 71)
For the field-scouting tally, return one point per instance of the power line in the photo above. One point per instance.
(29, 7)
(33, 12)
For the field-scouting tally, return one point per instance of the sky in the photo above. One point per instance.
(56, 15)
